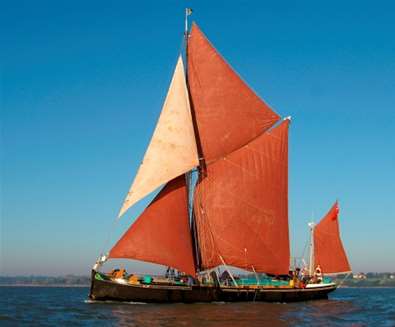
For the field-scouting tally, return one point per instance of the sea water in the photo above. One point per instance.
(67, 306)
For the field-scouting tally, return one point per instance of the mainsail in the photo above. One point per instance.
(241, 199)
(161, 234)
(328, 248)
(172, 150)
(241, 206)
(228, 113)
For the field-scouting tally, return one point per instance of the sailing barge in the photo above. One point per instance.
(222, 155)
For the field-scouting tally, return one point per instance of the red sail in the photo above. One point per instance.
(241, 206)
(161, 234)
(328, 248)
(228, 113)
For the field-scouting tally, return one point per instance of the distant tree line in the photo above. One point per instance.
(372, 280)
(67, 280)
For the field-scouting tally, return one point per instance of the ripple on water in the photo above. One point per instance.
(69, 306)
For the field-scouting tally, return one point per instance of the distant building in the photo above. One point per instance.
(360, 276)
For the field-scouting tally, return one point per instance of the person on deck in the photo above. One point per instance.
(190, 281)
(305, 275)
(318, 274)
(120, 273)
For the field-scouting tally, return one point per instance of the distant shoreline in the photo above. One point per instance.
(368, 280)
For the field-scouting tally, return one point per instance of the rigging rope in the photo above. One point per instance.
(107, 240)
(341, 283)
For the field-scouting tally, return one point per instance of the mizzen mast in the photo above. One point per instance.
(311, 259)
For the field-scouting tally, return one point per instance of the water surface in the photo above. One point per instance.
(57, 306)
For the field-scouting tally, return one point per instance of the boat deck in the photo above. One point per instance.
(107, 289)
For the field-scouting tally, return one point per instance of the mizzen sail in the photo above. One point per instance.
(228, 113)
(328, 248)
(241, 206)
(172, 150)
(161, 234)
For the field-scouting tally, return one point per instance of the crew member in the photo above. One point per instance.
(318, 274)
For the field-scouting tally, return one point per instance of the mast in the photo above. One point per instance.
(311, 260)
(189, 174)
(188, 12)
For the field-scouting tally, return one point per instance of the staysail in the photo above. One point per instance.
(172, 150)
(328, 248)
(161, 234)
(241, 206)
(228, 113)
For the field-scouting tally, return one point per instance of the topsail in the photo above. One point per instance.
(228, 113)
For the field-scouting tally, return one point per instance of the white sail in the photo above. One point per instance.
(172, 150)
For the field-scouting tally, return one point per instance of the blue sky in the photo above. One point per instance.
(82, 84)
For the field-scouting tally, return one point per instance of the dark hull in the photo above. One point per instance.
(105, 290)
